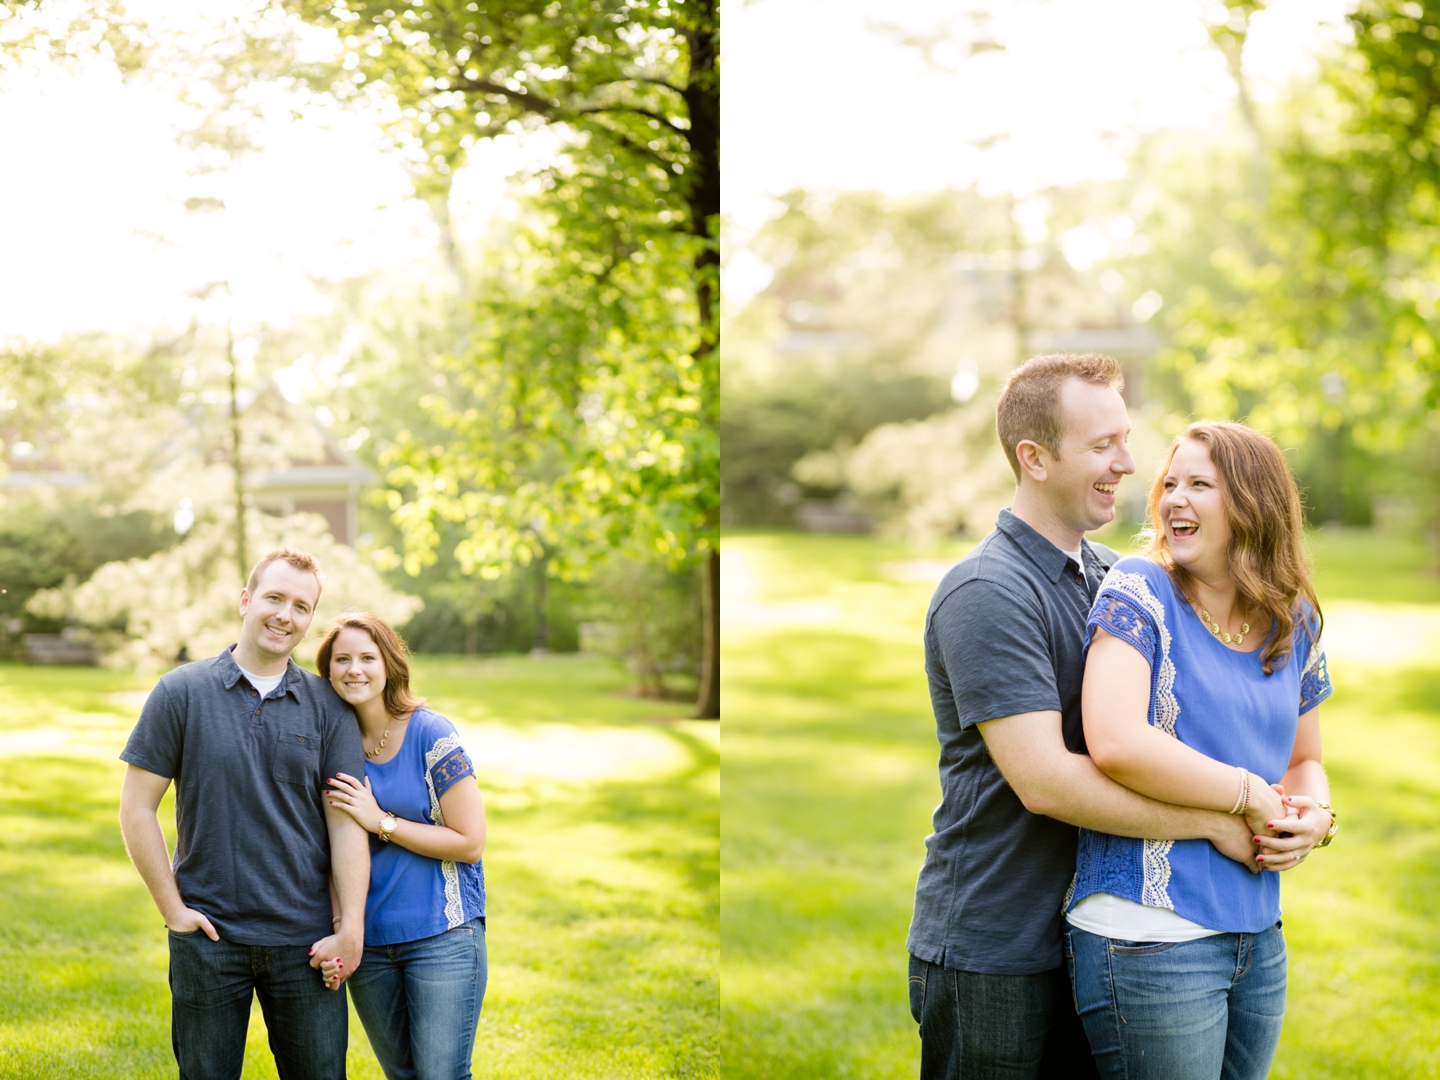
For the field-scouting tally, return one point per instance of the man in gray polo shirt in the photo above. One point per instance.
(249, 738)
(1003, 651)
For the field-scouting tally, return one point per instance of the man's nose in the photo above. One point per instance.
(1125, 463)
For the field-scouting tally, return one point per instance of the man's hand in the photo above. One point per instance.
(1299, 835)
(187, 919)
(1233, 839)
(340, 956)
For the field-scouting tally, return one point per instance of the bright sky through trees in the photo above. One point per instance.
(94, 229)
(832, 96)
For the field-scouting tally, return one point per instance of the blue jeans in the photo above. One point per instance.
(420, 1002)
(210, 987)
(1209, 1009)
(977, 1026)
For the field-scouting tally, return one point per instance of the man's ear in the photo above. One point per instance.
(244, 601)
(1034, 459)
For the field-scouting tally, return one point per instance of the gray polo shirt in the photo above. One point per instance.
(1004, 635)
(253, 851)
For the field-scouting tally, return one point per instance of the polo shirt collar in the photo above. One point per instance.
(1049, 558)
(1092, 557)
(230, 672)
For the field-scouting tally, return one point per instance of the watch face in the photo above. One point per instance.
(387, 823)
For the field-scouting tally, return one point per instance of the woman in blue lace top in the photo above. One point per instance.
(422, 976)
(1203, 678)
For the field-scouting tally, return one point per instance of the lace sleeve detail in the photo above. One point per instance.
(1314, 680)
(1122, 615)
(453, 766)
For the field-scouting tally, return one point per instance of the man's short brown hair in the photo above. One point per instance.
(300, 560)
(1029, 405)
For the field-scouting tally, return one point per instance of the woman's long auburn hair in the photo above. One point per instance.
(399, 698)
(1267, 556)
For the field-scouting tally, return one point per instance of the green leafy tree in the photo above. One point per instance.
(586, 402)
(1307, 303)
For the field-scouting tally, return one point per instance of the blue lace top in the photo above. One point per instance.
(413, 896)
(1220, 702)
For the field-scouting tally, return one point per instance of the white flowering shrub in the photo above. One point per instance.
(143, 612)
(933, 477)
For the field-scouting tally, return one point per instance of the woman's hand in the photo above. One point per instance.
(1267, 814)
(333, 972)
(1299, 834)
(348, 794)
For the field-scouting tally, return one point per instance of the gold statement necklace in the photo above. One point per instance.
(1214, 627)
(376, 751)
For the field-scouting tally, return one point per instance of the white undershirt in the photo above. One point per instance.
(1115, 917)
(263, 683)
(1079, 556)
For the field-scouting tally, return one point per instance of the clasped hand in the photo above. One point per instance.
(336, 957)
(1290, 838)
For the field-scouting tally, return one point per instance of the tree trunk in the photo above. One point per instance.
(709, 704)
(702, 99)
(542, 631)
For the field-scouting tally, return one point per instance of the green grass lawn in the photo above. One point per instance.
(601, 868)
(830, 778)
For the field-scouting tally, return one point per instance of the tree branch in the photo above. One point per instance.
(528, 102)
(653, 82)
(638, 112)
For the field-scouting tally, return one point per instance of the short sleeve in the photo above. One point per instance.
(453, 765)
(158, 741)
(996, 656)
(344, 751)
(1315, 678)
(1123, 608)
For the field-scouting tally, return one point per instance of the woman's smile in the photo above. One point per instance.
(357, 670)
(1193, 507)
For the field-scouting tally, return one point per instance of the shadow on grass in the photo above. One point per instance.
(1416, 690)
(608, 903)
(603, 927)
(829, 778)
(84, 992)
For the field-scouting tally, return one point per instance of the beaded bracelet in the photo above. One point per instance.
(1242, 801)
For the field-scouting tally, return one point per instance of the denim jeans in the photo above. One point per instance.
(210, 989)
(975, 1026)
(1209, 1009)
(420, 1002)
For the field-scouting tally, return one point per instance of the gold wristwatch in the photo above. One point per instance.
(387, 826)
(1334, 825)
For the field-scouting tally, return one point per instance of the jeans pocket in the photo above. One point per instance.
(1139, 948)
(185, 934)
(917, 988)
